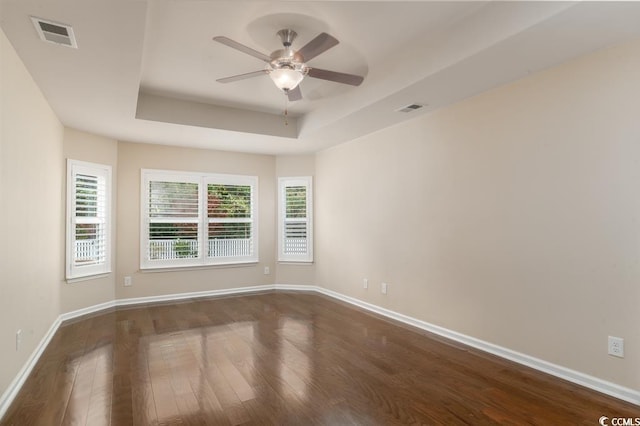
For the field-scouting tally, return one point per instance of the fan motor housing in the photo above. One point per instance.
(287, 58)
(286, 55)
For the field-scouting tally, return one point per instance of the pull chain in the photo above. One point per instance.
(286, 104)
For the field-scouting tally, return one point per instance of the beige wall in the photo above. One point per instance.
(134, 157)
(31, 193)
(288, 272)
(96, 149)
(511, 217)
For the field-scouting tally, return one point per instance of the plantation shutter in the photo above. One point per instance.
(230, 220)
(295, 242)
(88, 245)
(173, 220)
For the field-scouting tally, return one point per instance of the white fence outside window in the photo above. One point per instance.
(296, 245)
(87, 250)
(220, 247)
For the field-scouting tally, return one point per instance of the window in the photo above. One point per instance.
(295, 226)
(193, 219)
(88, 219)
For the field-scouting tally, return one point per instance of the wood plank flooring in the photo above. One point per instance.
(281, 358)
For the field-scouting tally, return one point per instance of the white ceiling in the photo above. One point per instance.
(145, 71)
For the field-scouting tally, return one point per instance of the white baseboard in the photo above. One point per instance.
(591, 382)
(14, 387)
(603, 386)
(194, 295)
(86, 311)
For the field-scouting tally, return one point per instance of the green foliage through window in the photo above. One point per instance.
(296, 197)
(229, 201)
(227, 205)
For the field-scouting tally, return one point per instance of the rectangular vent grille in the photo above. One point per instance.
(54, 32)
(410, 108)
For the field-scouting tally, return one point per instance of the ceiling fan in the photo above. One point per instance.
(287, 67)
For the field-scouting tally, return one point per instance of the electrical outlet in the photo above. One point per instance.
(267, 271)
(365, 283)
(616, 346)
(383, 288)
(127, 281)
(18, 339)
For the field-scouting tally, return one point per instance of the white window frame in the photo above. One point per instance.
(103, 172)
(283, 183)
(203, 180)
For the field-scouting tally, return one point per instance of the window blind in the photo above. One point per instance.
(295, 221)
(295, 242)
(88, 209)
(230, 220)
(173, 220)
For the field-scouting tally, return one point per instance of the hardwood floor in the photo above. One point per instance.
(283, 359)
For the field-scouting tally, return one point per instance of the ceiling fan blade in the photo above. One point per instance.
(242, 48)
(338, 77)
(241, 76)
(321, 43)
(295, 94)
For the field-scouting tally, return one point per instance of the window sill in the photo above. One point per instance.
(295, 262)
(73, 280)
(197, 267)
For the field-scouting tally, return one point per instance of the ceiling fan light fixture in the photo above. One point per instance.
(287, 67)
(286, 79)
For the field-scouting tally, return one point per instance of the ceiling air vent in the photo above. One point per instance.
(410, 108)
(54, 32)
